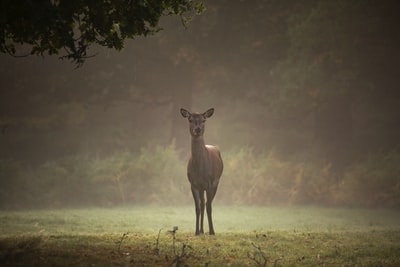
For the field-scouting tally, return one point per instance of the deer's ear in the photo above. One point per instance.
(185, 113)
(208, 113)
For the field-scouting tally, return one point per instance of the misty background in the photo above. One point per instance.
(306, 97)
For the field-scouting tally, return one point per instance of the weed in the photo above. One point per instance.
(124, 236)
(181, 258)
(258, 257)
(173, 232)
(157, 249)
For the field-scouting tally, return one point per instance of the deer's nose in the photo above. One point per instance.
(198, 130)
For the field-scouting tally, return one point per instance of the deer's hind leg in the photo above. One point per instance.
(210, 196)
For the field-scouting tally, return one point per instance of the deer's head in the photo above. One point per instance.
(197, 121)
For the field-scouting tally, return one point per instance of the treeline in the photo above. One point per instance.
(157, 175)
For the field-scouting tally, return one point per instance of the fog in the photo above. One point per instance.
(306, 97)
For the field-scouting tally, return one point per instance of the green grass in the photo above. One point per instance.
(246, 236)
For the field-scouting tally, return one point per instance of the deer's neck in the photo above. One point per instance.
(199, 152)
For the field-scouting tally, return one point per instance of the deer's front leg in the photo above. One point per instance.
(196, 198)
(202, 206)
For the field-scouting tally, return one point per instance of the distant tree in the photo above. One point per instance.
(341, 72)
(69, 28)
(339, 49)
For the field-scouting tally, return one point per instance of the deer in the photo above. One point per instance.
(204, 168)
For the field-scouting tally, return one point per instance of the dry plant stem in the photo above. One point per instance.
(157, 249)
(260, 253)
(125, 235)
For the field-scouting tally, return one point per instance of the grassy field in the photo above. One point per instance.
(245, 236)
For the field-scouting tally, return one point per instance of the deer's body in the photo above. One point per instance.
(204, 169)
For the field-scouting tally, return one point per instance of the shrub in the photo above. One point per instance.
(251, 178)
(162, 176)
(373, 182)
(157, 175)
